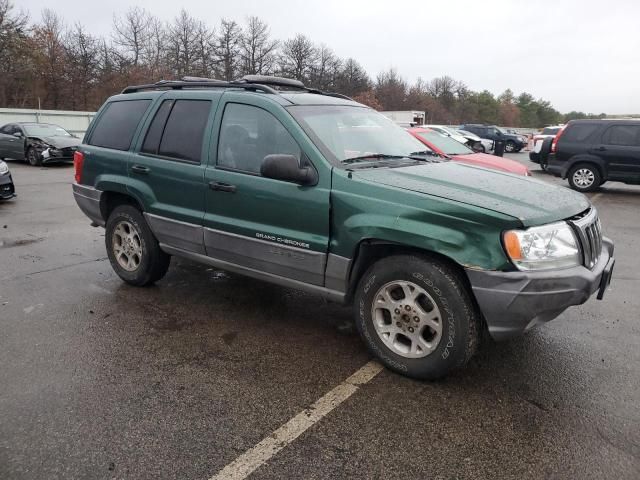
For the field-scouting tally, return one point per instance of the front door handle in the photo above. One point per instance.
(600, 149)
(222, 187)
(140, 169)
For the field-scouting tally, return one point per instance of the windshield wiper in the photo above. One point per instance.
(373, 156)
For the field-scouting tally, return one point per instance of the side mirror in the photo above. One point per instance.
(18, 134)
(287, 168)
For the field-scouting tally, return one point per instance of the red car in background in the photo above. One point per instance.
(453, 149)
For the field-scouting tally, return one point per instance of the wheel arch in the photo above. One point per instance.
(111, 199)
(591, 159)
(372, 250)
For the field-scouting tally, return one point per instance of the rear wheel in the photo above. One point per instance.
(584, 177)
(132, 248)
(416, 316)
(33, 157)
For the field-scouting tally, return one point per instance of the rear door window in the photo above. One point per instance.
(184, 130)
(154, 134)
(579, 132)
(624, 135)
(117, 124)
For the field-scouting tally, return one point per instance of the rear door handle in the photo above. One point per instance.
(222, 187)
(140, 169)
(600, 149)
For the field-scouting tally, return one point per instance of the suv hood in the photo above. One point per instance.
(531, 201)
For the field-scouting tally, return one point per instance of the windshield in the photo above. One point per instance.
(45, 130)
(448, 131)
(345, 132)
(550, 130)
(447, 144)
(464, 133)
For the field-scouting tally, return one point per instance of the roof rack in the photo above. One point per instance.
(262, 83)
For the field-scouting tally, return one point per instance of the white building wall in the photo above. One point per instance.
(74, 122)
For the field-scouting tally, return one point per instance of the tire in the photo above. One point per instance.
(481, 148)
(434, 347)
(534, 157)
(510, 146)
(584, 177)
(33, 157)
(139, 262)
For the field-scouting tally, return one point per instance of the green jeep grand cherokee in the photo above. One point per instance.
(314, 191)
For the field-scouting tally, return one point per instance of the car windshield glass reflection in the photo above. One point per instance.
(45, 130)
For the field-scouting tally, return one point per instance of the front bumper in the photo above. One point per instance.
(88, 199)
(514, 302)
(7, 189)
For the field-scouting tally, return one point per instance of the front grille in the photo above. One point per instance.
(589, 231)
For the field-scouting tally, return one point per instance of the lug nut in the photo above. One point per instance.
(407, 308)
(411, 329)
(416, 319)
(397, 311)
(398, 324)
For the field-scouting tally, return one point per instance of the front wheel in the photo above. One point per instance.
(132, 248)
(584, 177)
(416, 315)
(33, 157)
(510, 147)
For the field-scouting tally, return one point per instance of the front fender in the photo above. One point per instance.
(469, 235)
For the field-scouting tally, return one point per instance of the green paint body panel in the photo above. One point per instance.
(453, 209)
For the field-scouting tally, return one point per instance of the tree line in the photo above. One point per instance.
(52, 65)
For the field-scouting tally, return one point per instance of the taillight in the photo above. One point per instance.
(78, 162)
(556, 138)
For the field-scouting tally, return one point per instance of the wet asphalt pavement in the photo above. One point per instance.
(102, 380)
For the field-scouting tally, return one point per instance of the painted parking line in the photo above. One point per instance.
(253, 458)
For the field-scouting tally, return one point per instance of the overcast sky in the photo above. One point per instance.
(580, 55)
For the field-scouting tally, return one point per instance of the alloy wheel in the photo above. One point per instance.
(583, 178)
(407, 319)
(127, 246)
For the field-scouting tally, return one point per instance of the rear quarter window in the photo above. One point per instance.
(623, 135)
(117, 124)
(579, 132)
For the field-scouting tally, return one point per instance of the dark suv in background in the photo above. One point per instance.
(590, 152)
(512, 143)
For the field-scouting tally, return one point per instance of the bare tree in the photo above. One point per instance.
(326, 69)
(182, 49)
(82, 65)
(257, 49)
(297, 57)
(352, 79)
(16, 56)
(132, 34)
(205, 50)
(391, 90)
(48, 37)
(227, 49)
(154, 47)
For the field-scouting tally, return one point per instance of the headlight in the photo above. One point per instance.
(541, 248)
(4, 168)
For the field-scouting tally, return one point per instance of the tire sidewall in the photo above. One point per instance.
(451, 351)
(30, 152)
(133, 216)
